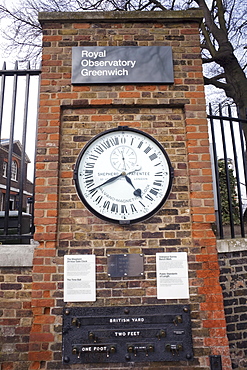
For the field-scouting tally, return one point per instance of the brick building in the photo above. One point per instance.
(15, 176)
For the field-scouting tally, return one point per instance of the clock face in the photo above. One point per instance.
(123, 175)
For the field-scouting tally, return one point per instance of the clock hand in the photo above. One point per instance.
(123, 159)
(137, 192)
(109, 180)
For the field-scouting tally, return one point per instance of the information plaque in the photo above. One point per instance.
(172, 275)
(79, 278)
(127, 334)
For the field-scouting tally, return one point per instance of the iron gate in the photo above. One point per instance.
(19, 96)
(228, 156)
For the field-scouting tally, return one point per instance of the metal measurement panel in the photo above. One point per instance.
(127, 334)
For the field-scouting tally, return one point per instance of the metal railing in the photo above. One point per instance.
(19, 96)
(228, 156)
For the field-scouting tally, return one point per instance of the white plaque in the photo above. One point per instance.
(172, 275)
(79, 278)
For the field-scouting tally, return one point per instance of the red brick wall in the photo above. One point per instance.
(176, 116)
(15, 316)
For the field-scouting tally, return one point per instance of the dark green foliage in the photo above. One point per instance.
(224, 196)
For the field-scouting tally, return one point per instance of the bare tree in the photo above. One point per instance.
(223, 33)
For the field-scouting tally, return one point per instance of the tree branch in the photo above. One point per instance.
(209, 45)
(220, 85)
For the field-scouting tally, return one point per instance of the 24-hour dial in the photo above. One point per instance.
(123, 175)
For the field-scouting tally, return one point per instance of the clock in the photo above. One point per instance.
(123, 175)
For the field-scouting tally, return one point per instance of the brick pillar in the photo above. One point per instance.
(176, 116)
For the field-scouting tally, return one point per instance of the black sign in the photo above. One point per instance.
(122, 64)
(127, 334)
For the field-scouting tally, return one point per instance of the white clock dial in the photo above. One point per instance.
(123, 175)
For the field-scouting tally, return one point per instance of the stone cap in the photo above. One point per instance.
(190, 15)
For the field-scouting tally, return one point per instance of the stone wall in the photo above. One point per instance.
(233, 278)
(16, 316)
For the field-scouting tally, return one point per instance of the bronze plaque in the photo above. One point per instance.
(120, 265)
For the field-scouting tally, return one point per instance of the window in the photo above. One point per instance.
(5, 169)
(14, 171)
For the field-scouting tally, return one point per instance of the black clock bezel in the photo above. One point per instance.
(101, 216)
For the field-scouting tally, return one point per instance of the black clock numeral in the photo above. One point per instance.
(157, 183)
(140, 144)
(92, 192)
(153, 156)
(160, 173)
(133, 208)
(106, 205)
(99, 150)
(132, 141)
(114, 207)
(148, 196)
(89, 165)
(93, 157)
(147, 150)
(110, 142)
(98, 199)
(114, 141)
(89, 183)
(106, 144)
(142, 204)
(154, 191)
(123, 208)
(88, 174)
(157, 164)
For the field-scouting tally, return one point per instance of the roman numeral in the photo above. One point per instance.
(160, 173)
(123, 208)
(153, 156)
(106, 144)
(99, 150)
(89, 183)
(114, 207)
(89, 165)
(148, 196)
(154, 191)
(106, 204)
(140, 144)
(157, 182)
(98, 199)
(88, 174)
(133, 208)
(93, 157)
(92, 192)
(114, 141)
(147, 149)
